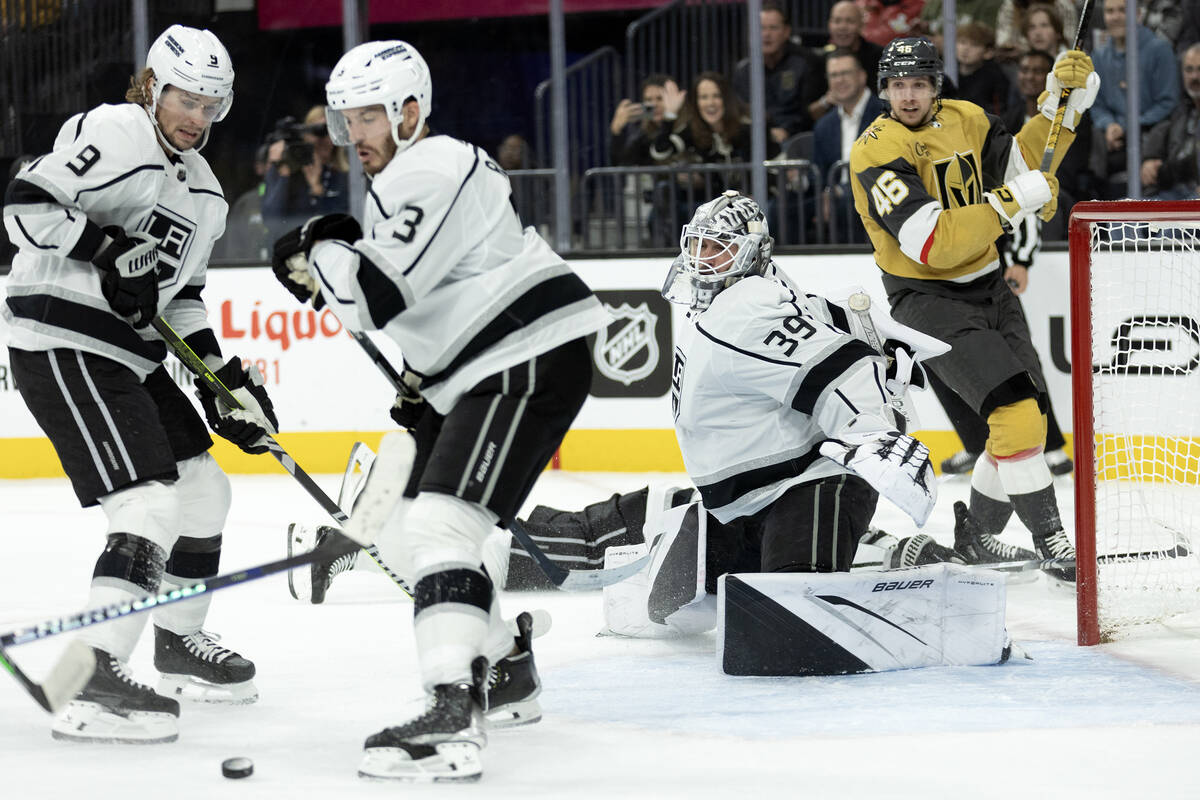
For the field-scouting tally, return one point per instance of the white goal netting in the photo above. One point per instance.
(1145, 379)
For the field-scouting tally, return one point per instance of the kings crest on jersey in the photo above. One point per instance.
(759, 376)
(107, 168)
(448, 273)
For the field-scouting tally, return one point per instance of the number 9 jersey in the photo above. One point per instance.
(107, 168)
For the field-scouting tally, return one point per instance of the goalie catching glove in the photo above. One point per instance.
(130, 276)
(249, 426)
(1073, 70)
(896, 466)
(290, 259)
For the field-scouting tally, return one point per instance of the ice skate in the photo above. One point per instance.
(194, 667)
(441, 744)
(513, 682)
(977, 547)
(960, 463)
(1057, 545)
(311, 582)
(915, 551)
(114, 708)
(1059, 462)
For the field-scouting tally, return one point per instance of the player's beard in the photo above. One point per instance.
(385, 154)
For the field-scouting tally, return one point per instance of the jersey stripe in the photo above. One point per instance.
(383, 296)
(119, 178)
(830, 368)
(95, 325)
(723, 492)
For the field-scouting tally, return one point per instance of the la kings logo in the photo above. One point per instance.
(628, 352)
(958, 181)
(175, 235)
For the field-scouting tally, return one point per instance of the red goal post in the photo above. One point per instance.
(1135, 311)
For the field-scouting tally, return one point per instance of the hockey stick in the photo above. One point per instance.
(75, 667)
(568, 580)
(201, 370)
(1085, 16)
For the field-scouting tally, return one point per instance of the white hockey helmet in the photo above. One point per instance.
(379, 73)
(726, 240)
(192, 60)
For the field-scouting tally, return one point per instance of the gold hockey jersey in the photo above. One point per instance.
(920, 192)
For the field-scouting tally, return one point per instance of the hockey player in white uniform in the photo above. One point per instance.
(114, 226)
(490, 322)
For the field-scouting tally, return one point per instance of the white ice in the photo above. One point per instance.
(623, 718)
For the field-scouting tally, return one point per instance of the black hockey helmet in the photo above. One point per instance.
(910, 56)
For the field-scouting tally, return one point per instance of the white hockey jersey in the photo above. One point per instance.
(107, 168)
(445, 270)
(760, 379)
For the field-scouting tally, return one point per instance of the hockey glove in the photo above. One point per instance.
(409, 405)
(130, 280)
(1073, 70)
(290, 260)
(1025, 194)
(248, 426)
(896, 466)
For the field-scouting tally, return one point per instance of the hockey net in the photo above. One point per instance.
(1135, 306)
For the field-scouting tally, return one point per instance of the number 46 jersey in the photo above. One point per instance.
(761, 378)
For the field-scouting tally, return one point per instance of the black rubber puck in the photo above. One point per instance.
(237, 768)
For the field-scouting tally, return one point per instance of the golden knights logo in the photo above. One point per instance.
(958, 181)
(627, 350)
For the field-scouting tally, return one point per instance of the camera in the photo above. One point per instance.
(297, 153)
(648, 108)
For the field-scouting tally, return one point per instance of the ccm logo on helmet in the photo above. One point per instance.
(892, 586)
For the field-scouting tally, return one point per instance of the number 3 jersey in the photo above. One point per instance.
(761, 378)
(445, 269)
(107, 168)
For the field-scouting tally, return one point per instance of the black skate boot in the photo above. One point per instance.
(960, 463)
(1057, 545)
(442, 744)
(194, 667)
(113, 707)
(513, 683)
(916, 551)
(313, 581)
(977, 547)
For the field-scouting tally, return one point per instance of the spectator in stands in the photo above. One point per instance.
(1011, 40)
(854, 108)
(884, 20)
(980, 78)
(1075, 179)
(514, 153)
(245, 236)
(635, 126)
(306, 175)
(1042, 29)
(984, 11)
(845, 33)
(1158, 87)
(1170, 169)
(1189, 26)
(792, 75)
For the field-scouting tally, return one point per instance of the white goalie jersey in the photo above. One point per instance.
(761, 378)
(446, 271)
(107, 168)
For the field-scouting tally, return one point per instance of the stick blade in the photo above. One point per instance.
(72, 672)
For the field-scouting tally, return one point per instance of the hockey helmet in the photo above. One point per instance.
(726, 240)
(379, 73)
(192, 60)
(910, 56)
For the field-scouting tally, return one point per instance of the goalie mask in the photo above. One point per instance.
(194, 61)
(379, 73)
(726, 240)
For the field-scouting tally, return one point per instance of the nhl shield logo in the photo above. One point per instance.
(627, 350)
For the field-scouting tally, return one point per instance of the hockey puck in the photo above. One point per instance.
(237, 767)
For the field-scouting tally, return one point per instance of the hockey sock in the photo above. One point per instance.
(1029, 485)
(129, 568)
(989, 502)
(191, 560)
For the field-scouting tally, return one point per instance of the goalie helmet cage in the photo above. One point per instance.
(1135, 310)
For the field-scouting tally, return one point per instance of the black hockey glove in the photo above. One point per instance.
(410, 405)
(905, 368)
(290, 260)
(248, 426)
(130, 280)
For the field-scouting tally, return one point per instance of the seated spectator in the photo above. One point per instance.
(635, 126)
(792, 76)
(245, 236)
(980, 78)
(514, 153)
(1158, 86)
(884, 20)
(1042, 29)
(854, 108)
(845, 33)
(306, 175)
(1170, 19)
(1011, 40)
(1170, 170)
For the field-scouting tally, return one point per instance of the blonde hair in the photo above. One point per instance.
(139, 88)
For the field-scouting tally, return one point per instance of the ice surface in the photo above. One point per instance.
(624, 718)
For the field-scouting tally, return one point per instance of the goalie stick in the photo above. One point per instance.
(201, 370)
(74, 668)
(568, 580)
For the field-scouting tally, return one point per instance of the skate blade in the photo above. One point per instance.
(300, 539)
(514, 715)
(454, 762)
(91, 723)
(194, 690)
